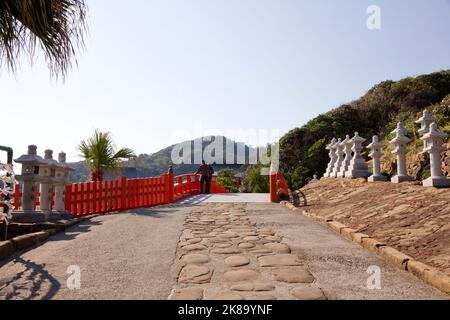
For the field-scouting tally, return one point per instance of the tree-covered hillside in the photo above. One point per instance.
(302, 150)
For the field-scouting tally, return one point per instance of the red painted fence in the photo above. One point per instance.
(122, 194)
(278, 186)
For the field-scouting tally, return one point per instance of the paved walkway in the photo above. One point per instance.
(122, 256)
(204, 250)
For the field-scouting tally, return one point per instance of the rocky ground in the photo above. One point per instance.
(408, 217)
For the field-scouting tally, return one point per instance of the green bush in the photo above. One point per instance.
(228, 179)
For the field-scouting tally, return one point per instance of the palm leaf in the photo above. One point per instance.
(57, 26)
(100, 153)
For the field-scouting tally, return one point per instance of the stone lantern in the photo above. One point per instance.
(340, 157)
(434, 140)
(61, 176)
(347, 147)
(29, 176)
(333, 157)
(376, 155)
(47, 173)
(358, 167)
(400, 149)
(347, 143)
(425, 122)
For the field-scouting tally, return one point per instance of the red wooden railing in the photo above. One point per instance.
(122, 194)
(278, 186)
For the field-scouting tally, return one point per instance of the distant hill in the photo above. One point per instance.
(151, 165)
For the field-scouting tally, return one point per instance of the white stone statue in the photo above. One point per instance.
(340, 157)
(358, 167)
(332, 148)
(348, 153)
(425, 121)
(376, 155)
(434, 140)
(400, 149)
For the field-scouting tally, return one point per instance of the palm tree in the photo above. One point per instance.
(57, 26)
(100, 154)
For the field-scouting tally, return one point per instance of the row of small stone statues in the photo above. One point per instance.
(347, 161)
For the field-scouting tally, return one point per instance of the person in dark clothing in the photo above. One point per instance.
(208, 181)
(205, 179)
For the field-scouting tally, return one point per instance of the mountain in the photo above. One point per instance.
(151, 165)
(302, 150)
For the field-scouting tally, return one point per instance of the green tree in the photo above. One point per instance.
(100, 155)
(55, 26)
(227, 178)
(254, 182)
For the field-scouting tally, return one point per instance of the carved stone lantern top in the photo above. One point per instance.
(435, 133)
(376, 144)
(48, 159)
(375, 147)
(62, 162)
(31, 157)
(434, 139)
(347, 141)
(30, 163)
(358, 139)
(332, 144)
(425, 122)
(400, 135)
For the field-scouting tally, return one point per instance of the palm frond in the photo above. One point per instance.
(100, 154)
(58, 26)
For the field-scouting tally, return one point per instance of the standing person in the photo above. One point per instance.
(209, 180)
(204, 171)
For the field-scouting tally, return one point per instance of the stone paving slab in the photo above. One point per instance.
(243, 259)
(262, 251)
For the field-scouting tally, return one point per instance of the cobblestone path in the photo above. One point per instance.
(223, 256)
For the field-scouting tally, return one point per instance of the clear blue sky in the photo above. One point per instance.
(151, 67)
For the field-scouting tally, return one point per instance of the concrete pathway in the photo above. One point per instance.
(206, 250)
(122, 256)
(262, 251)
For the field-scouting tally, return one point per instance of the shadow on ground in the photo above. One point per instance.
(27, 284)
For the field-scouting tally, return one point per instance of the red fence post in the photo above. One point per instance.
(166, 180)
(171, 186)
(273, 188)
(17, 197)
(67, 197)
(123, 193)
